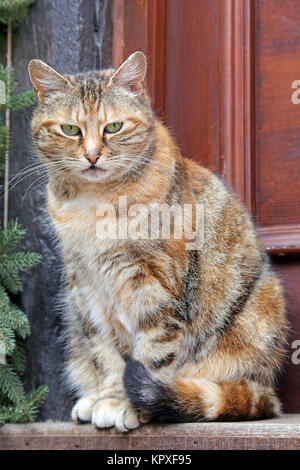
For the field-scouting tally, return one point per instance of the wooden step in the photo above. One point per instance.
(280, 433)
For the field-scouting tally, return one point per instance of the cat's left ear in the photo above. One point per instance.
(132, 73)
(45, 79)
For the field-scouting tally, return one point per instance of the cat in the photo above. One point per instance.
(156, 330)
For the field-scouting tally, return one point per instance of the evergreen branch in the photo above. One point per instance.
(13, 318)
(18, 358)
(14, 262)
(36, 398)
(11, 236)
(25, 410)
(7, 339)
(4, 298)
(11, 281)
(10, 384)
(22, 100)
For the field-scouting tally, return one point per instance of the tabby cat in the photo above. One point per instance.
(155, 330)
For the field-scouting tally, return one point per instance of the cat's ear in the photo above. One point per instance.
(45, 80)
(132, 73)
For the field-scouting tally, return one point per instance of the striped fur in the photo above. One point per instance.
(153, 330)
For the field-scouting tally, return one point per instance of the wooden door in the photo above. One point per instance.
(223, 75)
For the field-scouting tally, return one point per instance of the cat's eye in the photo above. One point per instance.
(70, 129)
(113, 127)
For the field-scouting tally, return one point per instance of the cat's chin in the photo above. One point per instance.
(97, 174)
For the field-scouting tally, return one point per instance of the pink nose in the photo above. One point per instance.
(92, 158)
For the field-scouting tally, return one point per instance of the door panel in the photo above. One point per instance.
(191, 78)
(220, 74)
(277, 119)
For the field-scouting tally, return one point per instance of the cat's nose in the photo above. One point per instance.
(92, 158)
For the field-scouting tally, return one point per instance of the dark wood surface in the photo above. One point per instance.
(275, 434)
(225, 88)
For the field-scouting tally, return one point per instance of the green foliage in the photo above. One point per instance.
(13, 11)
(19, 100)
(15, 405)
(22, 100)
(25, 409)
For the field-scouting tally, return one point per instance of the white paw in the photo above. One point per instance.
(82, 410)
(113, 412)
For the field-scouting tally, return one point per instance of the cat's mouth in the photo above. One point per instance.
(94, 171)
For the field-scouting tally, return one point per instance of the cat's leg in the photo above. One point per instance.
(154, 334)
(113, 407)
(83, 372)
(103, 400)
(157, 344)
(95, 369)
(104, 404)
(158, 350)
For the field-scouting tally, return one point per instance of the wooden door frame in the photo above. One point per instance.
(142, 24)
(237, 98)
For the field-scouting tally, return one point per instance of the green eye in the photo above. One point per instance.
(113, 127)
(69, 129)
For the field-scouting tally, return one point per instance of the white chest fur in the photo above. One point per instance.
(103, 269)
(94, 263)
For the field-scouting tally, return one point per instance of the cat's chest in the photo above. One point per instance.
(79, 225)
(84, 251)
(90, 263)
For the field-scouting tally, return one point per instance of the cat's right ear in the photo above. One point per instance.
(132, 73)
(45, 80)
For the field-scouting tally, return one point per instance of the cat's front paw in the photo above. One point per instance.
(82, 410)
(113, 412)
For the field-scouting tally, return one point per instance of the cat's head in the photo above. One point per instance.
(96, 126)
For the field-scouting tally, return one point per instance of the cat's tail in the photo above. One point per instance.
(191, 399)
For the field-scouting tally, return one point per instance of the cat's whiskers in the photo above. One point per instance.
(25, 169)
(34, 188)
(36, 163)
(30, 172)
(20, 178)
(54, 172)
